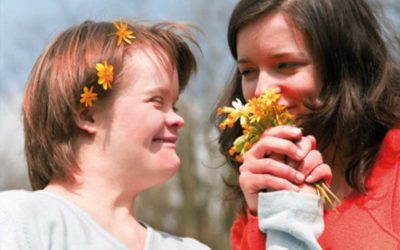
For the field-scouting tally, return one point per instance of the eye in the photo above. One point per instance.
(157, 100)
(287, 65)
(248, 74)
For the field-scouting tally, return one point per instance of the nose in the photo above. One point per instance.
(266, 81)
(174, 120)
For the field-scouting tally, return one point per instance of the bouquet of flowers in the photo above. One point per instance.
(257, 115)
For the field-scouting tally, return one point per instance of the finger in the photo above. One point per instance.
(305, 144)
(321, 172)
(307, 188)
(277, 157)
(313, 141)
(270, 144)
(312, 160)
(286, 132)
(253, 183)
(284, 159)
(268, 166)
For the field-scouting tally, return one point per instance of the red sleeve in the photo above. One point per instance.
(245, 234)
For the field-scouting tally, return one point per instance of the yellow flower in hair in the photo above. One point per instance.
(105, 73)
(88, 96)
(123, 33)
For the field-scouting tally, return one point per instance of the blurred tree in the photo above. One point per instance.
(194, 196)
(190, 204)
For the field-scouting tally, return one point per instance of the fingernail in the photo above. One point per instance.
(309, 178)
(300, 177)
(295, 188)
(296, 131)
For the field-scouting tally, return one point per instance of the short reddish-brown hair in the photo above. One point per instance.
(56, 81)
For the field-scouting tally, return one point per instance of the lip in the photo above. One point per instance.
(169, 139)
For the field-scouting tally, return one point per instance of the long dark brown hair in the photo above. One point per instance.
(360, 96)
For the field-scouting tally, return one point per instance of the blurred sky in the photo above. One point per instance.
(28, 26)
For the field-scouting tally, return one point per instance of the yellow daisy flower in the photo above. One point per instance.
(123, 33)
(270, 97)
(105, 74)
(256, 109)
(256, 116)
(88, 96)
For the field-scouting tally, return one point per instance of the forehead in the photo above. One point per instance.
(149, 56)
(148, 66)
(147, 59)
(275, 32)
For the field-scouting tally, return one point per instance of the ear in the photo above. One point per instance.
(84, 120)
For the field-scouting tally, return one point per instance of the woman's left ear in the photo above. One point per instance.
(84, 120)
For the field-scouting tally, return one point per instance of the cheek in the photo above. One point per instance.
(248, 90)
(308, 86)
(315, 83)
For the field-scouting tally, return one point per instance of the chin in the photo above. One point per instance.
(174, 165)
(170, 166)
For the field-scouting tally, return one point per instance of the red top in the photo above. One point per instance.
(369, 221)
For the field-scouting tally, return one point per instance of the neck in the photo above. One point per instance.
(110, 207)
(335, 158)
(339, 184)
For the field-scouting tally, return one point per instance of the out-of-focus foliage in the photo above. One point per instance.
(191, 203)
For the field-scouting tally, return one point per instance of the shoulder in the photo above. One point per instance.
(14, 200)
(22, 201)
(32, 212)
(383, 182)
(162, 240)
(391, 142)
(388, 161)
(10, 203)
(14, 195)
(15, 217)
(386, 168)
(30, 208)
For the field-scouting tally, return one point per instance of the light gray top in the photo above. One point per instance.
(43, 220)
(291, 220)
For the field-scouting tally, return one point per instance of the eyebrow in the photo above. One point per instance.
(243, 60)
(275, 56)
(163, 91)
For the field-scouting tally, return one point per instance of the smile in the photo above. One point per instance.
(165, 140)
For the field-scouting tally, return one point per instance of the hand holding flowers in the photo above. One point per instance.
(271, 149)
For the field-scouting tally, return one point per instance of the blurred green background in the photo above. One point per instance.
(190, 204)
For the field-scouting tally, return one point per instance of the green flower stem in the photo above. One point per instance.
(326, 193)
